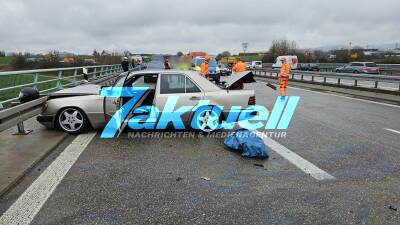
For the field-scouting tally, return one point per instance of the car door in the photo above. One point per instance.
(177, 84)
(111, 104)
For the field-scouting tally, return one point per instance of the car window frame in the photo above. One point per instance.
(183, 74)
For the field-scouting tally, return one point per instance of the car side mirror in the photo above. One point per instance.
(102, 87)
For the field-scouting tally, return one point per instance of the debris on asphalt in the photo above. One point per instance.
(259, 165)
(205, 178)
(179, 179)
(247, 143)
(393, 208)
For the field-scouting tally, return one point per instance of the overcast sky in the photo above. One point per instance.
(168, 26)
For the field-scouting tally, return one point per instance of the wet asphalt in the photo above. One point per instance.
(161, 180)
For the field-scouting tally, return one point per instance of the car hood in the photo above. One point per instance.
(235, 78)
(89, 89)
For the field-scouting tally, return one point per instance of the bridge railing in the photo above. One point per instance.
(19, 112)
(49, 80)
(392, 83)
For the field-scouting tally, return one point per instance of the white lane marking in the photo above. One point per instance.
(358, 99)
(31, 201)
(298, 161)
(394, 131)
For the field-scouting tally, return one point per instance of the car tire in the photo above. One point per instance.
(356, 71)
(204, 125)
(72, 120)
(337, 71)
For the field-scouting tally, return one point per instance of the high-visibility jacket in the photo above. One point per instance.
(239, 67)
(204, 69)
(285, 70)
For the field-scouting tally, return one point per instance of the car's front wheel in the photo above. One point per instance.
(72, 120)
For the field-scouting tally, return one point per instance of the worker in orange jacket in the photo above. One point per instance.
(284, 76)
(239, 66)
(204, 70)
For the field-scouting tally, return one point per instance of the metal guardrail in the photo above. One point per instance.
(18, 113)
(49, 80)
(385, 69)
(301, 75)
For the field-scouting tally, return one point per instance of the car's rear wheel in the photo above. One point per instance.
(355, 71)
(207, 119)
(72, 120)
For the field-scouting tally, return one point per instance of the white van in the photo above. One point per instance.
(255, 65)
(291, 59)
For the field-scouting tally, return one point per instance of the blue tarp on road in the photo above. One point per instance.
(247, 143)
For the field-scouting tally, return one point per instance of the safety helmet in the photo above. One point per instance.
(207, 58)
(125, 58)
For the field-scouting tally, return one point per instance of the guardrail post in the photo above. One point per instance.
(108, 70)
(312, 78)
(376, 84)
(21, 129)
(59, 84)
(302, 77)
(94, 74)
(355, 83)
(101, 71)
(74, 80)
(324, 79)
(292, 76)
(20, 126)
(35, 80)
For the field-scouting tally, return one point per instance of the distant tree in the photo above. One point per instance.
(2, 53)
(225, 54)
(95, 53)
(320, 56)
(281, 47)
(127, 53)
(179, 54)
(18, 62)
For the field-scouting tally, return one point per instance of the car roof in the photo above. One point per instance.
(195, 76)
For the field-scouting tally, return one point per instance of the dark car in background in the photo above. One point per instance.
(359, 67)
(308, 67)
(225, 70)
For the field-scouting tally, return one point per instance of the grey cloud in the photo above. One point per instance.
(168, 26)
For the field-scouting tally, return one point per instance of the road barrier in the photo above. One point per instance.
(306, 76)
(49, 80)
(386, 69)
(18, 113)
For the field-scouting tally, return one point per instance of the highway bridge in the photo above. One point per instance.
(337, 163)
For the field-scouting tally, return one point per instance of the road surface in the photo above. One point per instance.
(89, 180)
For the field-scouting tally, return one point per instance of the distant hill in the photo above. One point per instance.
(336, 47)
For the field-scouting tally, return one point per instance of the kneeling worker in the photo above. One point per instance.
(284, 76)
